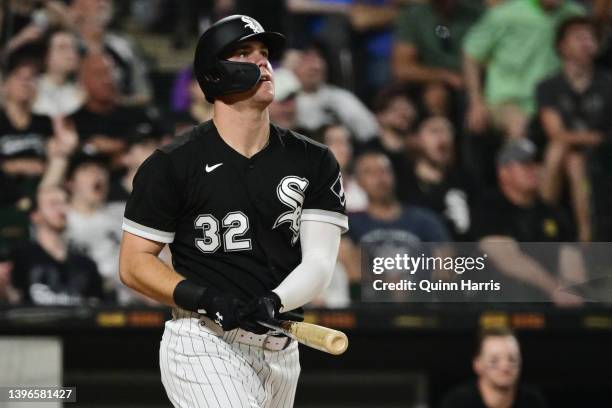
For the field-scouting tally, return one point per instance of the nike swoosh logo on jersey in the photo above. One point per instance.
(211, 168)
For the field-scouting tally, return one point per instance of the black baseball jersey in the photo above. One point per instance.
(233, 222)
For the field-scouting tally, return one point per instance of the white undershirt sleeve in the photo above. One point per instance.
(319, 242)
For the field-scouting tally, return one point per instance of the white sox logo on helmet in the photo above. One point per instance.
(252, 24)
(290, 191)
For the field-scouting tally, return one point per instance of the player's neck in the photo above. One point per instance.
(246, 131)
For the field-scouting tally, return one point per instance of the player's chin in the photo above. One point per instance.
(265, 92)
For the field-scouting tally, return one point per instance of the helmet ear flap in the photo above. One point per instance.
(227, 77)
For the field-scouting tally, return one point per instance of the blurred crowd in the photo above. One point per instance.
(452, 120)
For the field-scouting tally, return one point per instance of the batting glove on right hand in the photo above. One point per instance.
(264, 308)
(220, 307)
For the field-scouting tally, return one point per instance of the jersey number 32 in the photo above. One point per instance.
(236, 224)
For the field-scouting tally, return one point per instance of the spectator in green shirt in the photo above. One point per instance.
(514, 42)
(428, 38)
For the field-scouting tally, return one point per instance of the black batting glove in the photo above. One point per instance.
(264, 308)
(220, 307)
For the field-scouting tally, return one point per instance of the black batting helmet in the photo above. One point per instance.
(220, 77)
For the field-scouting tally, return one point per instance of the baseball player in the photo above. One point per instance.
(253, 214)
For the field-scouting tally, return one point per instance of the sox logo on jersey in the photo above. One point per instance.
(291, 191)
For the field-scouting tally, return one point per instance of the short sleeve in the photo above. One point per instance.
(405, 28)
(545, 95)
(482, 37)
(153, 207)
(325, 198)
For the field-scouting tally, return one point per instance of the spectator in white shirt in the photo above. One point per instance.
(58, 94)
(319, 103)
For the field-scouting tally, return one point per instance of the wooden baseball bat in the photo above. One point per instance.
(318, 337)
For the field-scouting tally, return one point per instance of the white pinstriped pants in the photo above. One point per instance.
(199, 369)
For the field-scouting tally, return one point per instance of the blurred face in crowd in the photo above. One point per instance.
(97, 12)
(89, 184)
(399, 115)
(550, 4)
(62, 56)
(436, 140)
(436, 99)
(579, 44)
(51, 211)
(520, 177)
(97, 78)
(444, 7)
(499, 362)
(311, 70)
(284, 112)
(375, 176)
(20, 84)
(138, 153)
(338, 139)
(256, 53)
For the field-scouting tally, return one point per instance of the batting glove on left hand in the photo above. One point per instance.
(264, 308)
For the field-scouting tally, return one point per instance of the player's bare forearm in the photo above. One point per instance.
(142, 270)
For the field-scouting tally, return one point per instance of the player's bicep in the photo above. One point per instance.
(132, 244)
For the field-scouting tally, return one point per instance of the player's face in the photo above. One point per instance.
(337, 138)
(375, 176)
(90, 184)
(436, 140)
(257, 53)
(52, 209)
(499, 361)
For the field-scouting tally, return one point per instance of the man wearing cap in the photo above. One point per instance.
(510, 220)
(253, 214)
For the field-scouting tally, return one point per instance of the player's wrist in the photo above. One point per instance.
(276, 301)
(189, 295)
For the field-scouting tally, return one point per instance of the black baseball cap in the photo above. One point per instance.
(516, 151)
